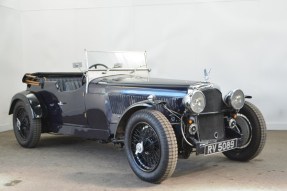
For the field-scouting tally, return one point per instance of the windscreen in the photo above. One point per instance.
(116, 60)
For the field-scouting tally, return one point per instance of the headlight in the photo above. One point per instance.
(195, 101)
(235, 99)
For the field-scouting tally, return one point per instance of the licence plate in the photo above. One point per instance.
(220, 146)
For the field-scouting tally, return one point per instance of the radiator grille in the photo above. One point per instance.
(209, 124)
(213, 100)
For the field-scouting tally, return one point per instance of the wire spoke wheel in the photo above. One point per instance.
(26, 129)
(22, 122)
(151, 146)
(145, 146)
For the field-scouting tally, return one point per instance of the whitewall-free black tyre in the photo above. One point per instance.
(26, 129)
(254, 134)
(151, 146)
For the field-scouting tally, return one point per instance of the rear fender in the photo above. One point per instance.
(30, 100)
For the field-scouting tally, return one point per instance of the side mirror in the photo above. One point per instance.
(77, 65)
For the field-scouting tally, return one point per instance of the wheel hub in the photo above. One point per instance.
(139, 148)
(18, 124)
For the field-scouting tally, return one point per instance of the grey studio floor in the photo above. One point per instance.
(69, 163)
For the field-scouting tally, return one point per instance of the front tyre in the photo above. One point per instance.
(253, 130)
(26, 129)
(151, 146)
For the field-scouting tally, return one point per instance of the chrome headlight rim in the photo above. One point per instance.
(232, 99)
(195, 101)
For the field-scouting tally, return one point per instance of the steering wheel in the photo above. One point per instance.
(96, 65)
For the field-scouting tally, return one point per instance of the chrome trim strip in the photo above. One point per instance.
(209, 113)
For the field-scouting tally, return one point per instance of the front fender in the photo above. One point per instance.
(128, 113)
(30, 100)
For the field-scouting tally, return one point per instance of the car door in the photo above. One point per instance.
(72, 106)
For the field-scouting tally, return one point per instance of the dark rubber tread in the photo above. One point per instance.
(169, 152)
(258, 135)
(35, 128)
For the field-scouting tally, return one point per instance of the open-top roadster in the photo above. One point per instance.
(157, 120)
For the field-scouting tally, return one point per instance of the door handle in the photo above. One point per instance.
(61, 103)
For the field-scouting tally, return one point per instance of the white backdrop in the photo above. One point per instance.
(11, 64)
(243, 41)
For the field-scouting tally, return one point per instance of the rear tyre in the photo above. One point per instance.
(254, 134)
(26, 129)
(151, 146)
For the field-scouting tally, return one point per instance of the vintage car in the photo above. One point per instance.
(115, 100)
